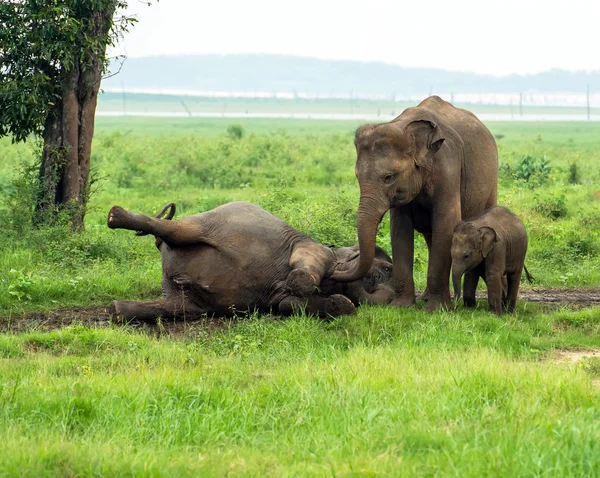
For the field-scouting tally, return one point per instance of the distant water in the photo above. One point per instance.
(345, 116)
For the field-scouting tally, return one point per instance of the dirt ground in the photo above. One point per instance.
(99, 316)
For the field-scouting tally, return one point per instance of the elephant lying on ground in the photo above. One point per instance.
(491, 246)
(432, 166)
(238, 257)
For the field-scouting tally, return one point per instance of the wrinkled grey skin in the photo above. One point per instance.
(238, 257)
(431, 166)
(491, 246)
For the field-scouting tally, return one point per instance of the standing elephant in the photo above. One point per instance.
(432, 165)
(491, 246)
(239, 256)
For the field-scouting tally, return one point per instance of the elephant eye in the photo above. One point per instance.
(388, 178)
(387, 269)
(466, 255)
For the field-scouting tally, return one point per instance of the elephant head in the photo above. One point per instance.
(470, 246)
(392, 165)
(377, 285)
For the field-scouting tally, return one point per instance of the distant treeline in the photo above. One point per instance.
(276, 73)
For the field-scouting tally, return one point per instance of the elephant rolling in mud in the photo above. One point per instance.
(239, 256)
(491, 246)
(432, 165)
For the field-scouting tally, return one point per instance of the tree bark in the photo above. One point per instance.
(65, 165)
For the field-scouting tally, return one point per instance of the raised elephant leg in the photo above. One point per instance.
(331, 306)
(309, 263)
(150, 311)
(403, 251)
(469, 287)
(174, 233)
(440, 259)
(512, 291)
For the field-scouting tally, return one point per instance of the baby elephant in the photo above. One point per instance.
(491, 246)
(239, 256)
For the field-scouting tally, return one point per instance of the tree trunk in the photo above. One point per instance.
(65, 165)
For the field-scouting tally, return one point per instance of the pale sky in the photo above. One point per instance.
(484, 36)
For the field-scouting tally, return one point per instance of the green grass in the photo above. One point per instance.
(386, 391)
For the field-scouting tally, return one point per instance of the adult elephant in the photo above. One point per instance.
(432, 165)
(238, 257)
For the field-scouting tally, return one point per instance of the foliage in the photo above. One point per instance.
(39, 41)
(532, 170)
(574, 174)
(20, 284)
(551, 206)
(235, 131)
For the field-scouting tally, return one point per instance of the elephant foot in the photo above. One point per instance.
(438, 303)
(337, 305)
(425, 295)
(405, 301)
(118, 218)
(470, 303)
(300, 283)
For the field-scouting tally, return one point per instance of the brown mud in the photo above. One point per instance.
(100, 317)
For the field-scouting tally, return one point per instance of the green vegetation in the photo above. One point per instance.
(400, 392)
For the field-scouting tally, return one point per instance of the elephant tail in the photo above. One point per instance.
(530, 279)
(171, 208)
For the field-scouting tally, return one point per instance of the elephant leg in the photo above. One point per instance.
(512, 290)
(440, 259)
(174, 233)
(428, 238)
(332, 306)
(150, 311)
(403, 255)
(494, 286)
(469, 288)
(309, 263)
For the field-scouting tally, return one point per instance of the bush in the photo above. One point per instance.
(235, 131)
(574, 176)
(552, 207)
(532, 170)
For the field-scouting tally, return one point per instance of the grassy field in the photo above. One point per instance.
(386, 391)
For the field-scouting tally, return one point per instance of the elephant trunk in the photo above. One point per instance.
(370, 213)
(456, 281)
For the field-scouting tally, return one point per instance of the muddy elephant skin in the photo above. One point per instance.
(431, 166)
(491, 246)
(238, 257)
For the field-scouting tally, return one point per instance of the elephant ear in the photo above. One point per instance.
(488, 238)
(428, 140)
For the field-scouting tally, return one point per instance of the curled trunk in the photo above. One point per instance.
(370, 213)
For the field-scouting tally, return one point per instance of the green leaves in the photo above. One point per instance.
(40, 40)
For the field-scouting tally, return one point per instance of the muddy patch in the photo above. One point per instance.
(574, 356)
(99, 316)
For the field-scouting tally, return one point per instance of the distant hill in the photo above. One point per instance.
(276, 73)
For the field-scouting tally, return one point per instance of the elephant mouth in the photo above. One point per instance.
(402, 199)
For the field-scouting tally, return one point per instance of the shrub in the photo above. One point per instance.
(552, 207)
(532, 170)
(574, 176)
(235, 131)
